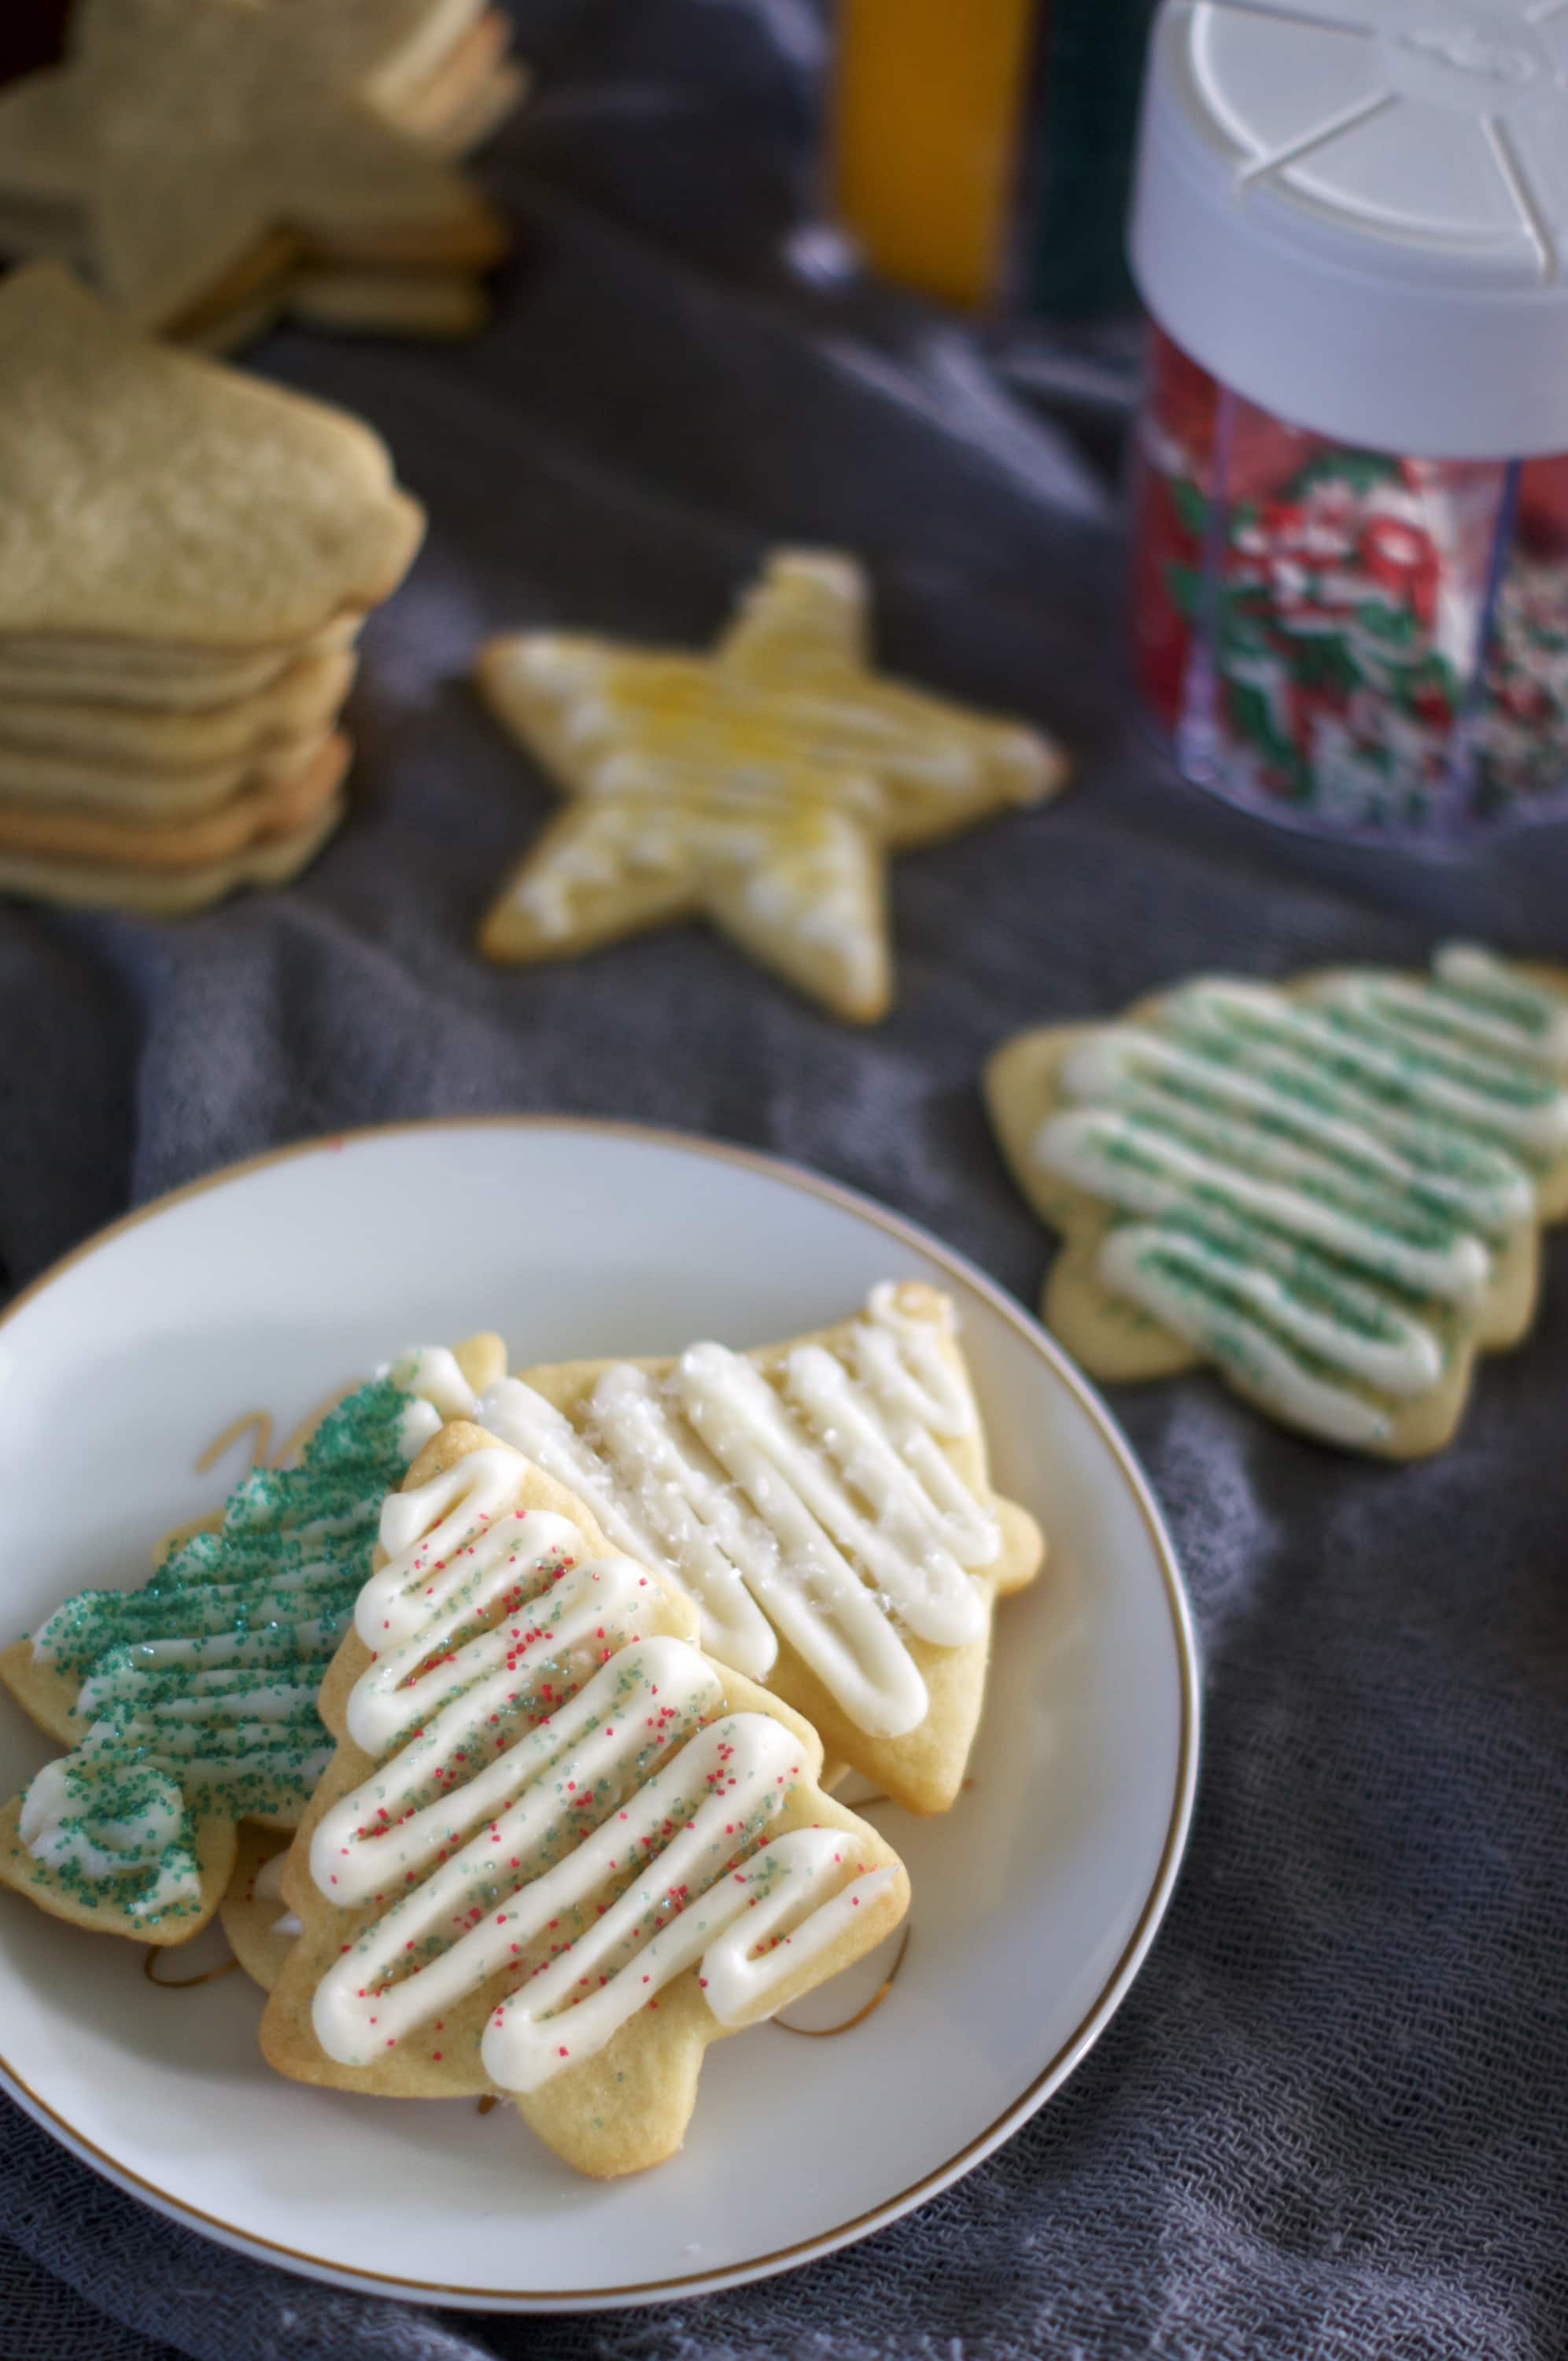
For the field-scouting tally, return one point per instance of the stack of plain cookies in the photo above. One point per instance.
(217, 164)
(186, 558)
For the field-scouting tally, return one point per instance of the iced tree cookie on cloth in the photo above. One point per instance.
(558, 1850)
(1331, 1190)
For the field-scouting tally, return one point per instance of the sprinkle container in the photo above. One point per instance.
(1350, 504)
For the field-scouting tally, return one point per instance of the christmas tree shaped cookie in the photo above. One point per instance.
(827, 1503)
(762, 786)
(190, 1704)
(1332, 1191)
(558, 1850)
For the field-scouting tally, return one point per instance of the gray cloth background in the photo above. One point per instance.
(1329, 2118)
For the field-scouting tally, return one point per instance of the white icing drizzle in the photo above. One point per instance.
(61, 1827)
(632, 1794)
(664, 725)
(419, 1424)
(1320, 1182)
(1491, 989)
(902, 1545)
(676, 1490)
(1120, 1154)
(1294, 1124)
(206, 1744)
(1350, 1030)
(433, 1373)
(1158, 1271)
(820, 1507)
(790, 1910)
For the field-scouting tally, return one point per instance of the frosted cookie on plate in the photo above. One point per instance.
(558, 1850)
(827, 1505)
(190, 1704)
(1330, 1191)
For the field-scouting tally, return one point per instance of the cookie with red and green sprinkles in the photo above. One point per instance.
(559, 1849)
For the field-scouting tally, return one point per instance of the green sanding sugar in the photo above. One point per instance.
(198, 1690)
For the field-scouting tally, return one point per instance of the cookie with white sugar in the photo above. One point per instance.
(826, 1502)
(1331, 1190)
(558, 1850)
(189, 1704)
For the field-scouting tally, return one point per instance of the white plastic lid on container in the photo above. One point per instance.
(1356, 212)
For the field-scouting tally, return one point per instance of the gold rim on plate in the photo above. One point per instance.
(966, 1276)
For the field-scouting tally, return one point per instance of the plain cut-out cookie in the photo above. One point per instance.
(136, 750)
(1332, 1191)
(155, 680)
(289, 516)
(173, 891)
(558, 1850)
(209, 143)
(99, 835)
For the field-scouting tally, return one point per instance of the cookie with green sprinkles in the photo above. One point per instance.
(1331, 1192)
(558, 1850)
(189, 1704)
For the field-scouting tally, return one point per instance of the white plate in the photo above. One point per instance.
(1036, 1897)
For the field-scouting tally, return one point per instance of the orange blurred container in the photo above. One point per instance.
(927, 129)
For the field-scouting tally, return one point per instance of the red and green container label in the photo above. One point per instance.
(1367, 644)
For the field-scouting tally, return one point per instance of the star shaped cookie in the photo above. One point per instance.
(762, 786)
(206, 145)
